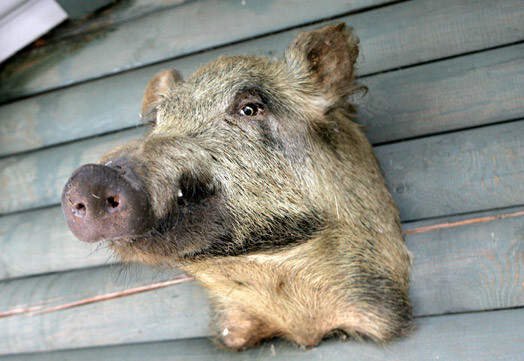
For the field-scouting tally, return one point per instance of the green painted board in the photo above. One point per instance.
(40, 242)
(471, 267)
(460, 172)
(471, 90)
(40, 177)
(176, 312)
(474, 262)
(393, 36)
(191, 27)
(77, 9)
(467, 337)
(120, 11)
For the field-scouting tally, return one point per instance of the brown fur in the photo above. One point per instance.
(284, 218)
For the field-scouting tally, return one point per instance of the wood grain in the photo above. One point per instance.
(466, 337)
(193, 26)
(467, 267)
(40, 242)
(473, 267)
(459, 172)
(117, 13)
(473, 90)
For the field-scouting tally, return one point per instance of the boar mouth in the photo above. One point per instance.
(194, 190)
(190, 236)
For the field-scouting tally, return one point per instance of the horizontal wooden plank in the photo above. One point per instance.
(40, 242)
(467, 337)
(483, 88)
(172, 312)
(455, 173)
(461, 267)
(466, 263)
(40, 177)
(459, 172)
(160, 36)
(180, 311)
(405, 33)
(477, 89)
(117, 12)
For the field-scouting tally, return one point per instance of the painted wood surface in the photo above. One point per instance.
(163, 35)
(462, 267)
(468, 262)
(173, 312)
(471, 262)
(40, 242)
(435, 30)
(483, 88)
(116, 13)
(460, 172)
(471, 90)
(455, 173)
(467, 337)
(40, 177)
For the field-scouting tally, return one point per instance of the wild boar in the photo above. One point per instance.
(255, 180)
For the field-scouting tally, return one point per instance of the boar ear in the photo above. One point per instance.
(327, 55)
(157, 89)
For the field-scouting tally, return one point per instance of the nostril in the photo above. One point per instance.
(79, 210)
(113, 203)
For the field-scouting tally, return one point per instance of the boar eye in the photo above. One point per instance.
(249, 110)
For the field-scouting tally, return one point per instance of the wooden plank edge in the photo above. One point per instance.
(454, 173)
(113, 14)
(464, 222)
(495, 335)
(449, 95)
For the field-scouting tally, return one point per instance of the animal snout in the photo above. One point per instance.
(105, 202)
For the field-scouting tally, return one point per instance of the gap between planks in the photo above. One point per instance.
(39, 308)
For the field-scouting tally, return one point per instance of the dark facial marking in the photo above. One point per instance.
(287, 231)
(253, 99)
(194, 189)
(269, 137)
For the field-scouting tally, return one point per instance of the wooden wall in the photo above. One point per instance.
(445, 112)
